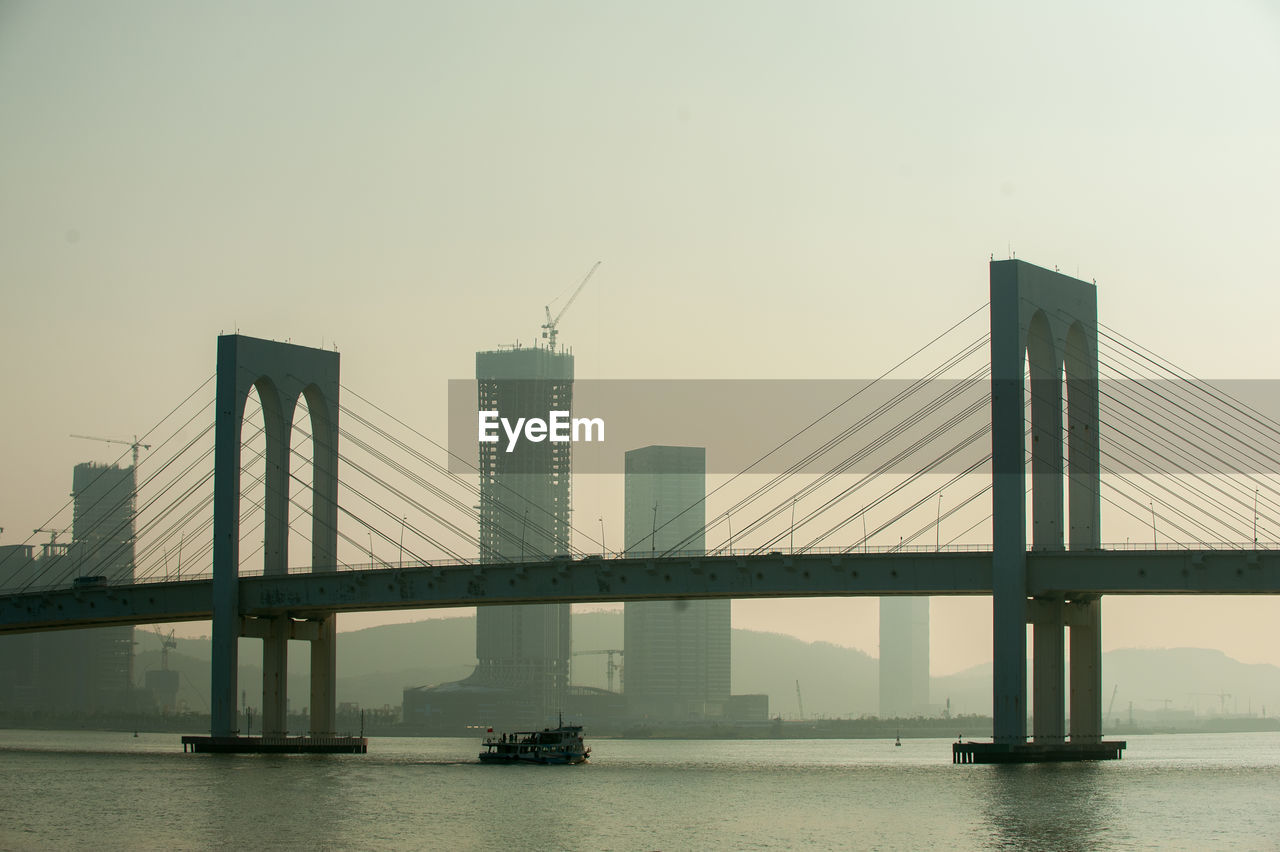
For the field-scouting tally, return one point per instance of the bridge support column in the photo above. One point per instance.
(1086, 671)
(224, 668)
(324, 696)
(1008, 510)
(1049, 671)
(1084, 488)
(222, 698)
(275, 677)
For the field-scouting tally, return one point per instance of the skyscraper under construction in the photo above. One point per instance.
(102, 545)
(521, 677)
(524, 514)
(76, 671)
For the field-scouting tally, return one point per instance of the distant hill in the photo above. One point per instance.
(1161, 683)
(376, 664)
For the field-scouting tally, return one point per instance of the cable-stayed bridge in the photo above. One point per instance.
(1038, 422)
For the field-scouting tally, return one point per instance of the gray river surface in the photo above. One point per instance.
(94, 790)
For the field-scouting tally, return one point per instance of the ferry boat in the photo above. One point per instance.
(549, 746)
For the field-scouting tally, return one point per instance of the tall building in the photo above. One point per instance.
(524, 514)
(19, 655)
(102, 545)
(677, 652)
(522, 672)
(102, 521)
(904, 657)
(79, 671)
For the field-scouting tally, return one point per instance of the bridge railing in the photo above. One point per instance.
(1147, 546)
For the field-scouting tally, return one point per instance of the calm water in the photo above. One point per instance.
(89, 790)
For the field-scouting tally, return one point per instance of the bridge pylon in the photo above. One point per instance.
(1044, 327)
(281, 373)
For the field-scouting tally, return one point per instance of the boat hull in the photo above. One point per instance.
(539, 759)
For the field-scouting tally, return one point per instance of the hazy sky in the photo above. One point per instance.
(777, 190)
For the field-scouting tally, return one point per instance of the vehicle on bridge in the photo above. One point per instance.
(94, 581)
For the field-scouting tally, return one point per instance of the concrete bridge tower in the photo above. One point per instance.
(1044, 323)
(281, 373)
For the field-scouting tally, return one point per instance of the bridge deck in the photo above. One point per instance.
(591, 580)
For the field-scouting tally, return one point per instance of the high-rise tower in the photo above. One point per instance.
(77, 671)
(904, 657)
(524, 514)
(102, 521)
(102, 545)
(677, 652)
(521, 679)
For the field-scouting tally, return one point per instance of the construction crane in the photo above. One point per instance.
(549, 327)
(1222, 696)
(134, 444)
(167, 643)
(800, 700)
(610, 666)
(1112, 705)
(53, 539)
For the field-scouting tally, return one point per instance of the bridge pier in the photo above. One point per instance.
(1086, 671)
(324, 658)
(1048, 671)
(275, 673)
